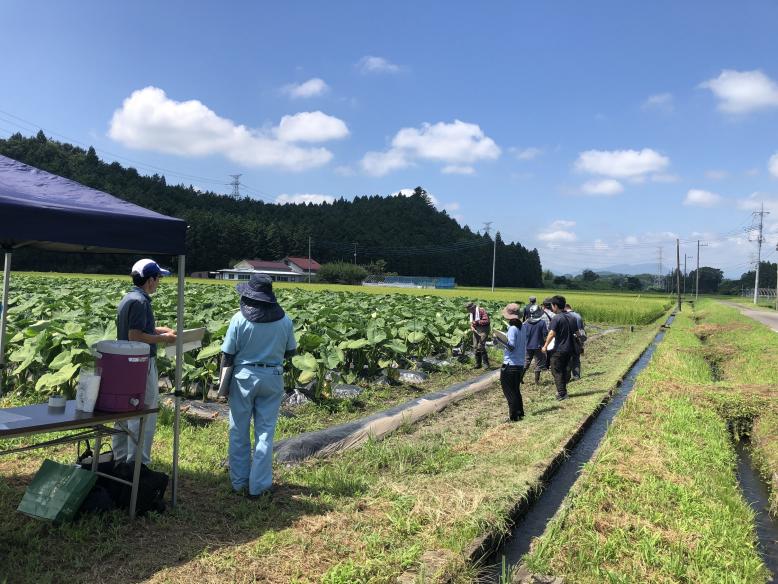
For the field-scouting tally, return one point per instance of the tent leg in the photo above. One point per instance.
(3, 317)
(179, 372)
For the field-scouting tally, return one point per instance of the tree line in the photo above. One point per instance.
(408, 233)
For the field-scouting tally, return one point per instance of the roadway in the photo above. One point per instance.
(763, 315)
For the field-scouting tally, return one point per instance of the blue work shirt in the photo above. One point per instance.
(259, 342)
(514, 353)
(135, 313)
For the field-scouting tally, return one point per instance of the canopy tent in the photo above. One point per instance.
(43, 210)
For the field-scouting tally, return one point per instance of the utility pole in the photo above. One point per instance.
(685, 273)
(235, 185)
(494, 260)
(678, 270)
(759, 242)
(355, 253)
(697, 273)
(776, 280)
(487, 228)
(309, 259)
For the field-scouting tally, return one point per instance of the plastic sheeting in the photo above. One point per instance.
(331, 440)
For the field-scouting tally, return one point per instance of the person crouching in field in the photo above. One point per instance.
(535, 331)
(479, 324)
(259, 338)
(515, 349)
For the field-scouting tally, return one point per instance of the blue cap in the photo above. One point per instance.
(147, 268)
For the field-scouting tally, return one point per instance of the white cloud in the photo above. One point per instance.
(772, 165)
(558, 232)
(526, 153)
(149, 120)
(741, 92)
(369, 64)
(303, 198)
(452, 206)
(454, 169)
(700, 198)
(659, 101)
(602, 188)
(458, 144)
(381, 163)
(631, 240)
(600, 245)
(752, 172)
(311, 127)
(629, 164)
(716, 174)
(311, 88)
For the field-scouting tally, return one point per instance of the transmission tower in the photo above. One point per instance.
(235, 184)
(487, 226)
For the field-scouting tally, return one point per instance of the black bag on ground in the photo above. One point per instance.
(151, 488)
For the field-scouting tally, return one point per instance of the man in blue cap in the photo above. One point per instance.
(135, 322)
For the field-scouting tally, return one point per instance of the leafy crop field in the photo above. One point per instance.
(342, 334)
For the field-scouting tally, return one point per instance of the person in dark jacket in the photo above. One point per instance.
(480, 325)
(535, 330)
(533, 301)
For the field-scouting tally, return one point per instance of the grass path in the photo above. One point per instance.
(363, 516)
(660, 500)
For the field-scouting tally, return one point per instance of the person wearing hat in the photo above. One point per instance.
(536, 330)
(479, 324)
(533, 301)
(260, 336)
(512, 371)
(135, 322)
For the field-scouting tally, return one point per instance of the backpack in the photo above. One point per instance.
(579, 335)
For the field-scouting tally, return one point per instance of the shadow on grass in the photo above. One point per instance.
(572, 395)
(111, 548)
(546, 410)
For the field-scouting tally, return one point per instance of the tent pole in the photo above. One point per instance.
(179, 372)
(3, 317)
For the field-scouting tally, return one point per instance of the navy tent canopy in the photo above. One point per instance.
(40, 209)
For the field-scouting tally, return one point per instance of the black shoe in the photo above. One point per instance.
(561, 397)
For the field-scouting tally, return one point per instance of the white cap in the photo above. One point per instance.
(147, 268)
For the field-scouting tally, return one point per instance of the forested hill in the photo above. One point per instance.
(411, 235)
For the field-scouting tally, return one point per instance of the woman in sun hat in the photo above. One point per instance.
(260, 336)
(514, 348)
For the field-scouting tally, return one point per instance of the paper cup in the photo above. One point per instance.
(88, 389)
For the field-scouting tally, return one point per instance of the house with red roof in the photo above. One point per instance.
(289, 269)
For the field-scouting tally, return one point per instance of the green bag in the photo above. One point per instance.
(57, 491)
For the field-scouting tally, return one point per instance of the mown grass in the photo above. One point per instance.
(660, 500)
(365, 515)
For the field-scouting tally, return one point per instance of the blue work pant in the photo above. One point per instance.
(255, 393)
(123, 445)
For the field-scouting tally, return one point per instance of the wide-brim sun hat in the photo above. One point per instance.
(511, 311)
(259, 287)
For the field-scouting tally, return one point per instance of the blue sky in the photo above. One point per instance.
(595, 131)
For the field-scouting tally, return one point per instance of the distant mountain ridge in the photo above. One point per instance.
(408, 232)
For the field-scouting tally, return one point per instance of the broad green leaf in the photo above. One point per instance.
(415, 337)
(305, 362)
(209, 351)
